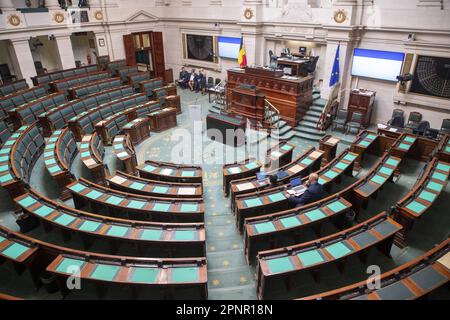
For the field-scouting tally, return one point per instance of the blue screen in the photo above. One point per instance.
(229, 47)
(383, 65)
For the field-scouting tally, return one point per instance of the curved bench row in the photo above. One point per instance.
(82, 90)
(412, 280)
(17, 158)
(174, 275)
(10, 88)
(45, 79)
(59, 116)
(443, 152)
(131, 184)
(84, 123)
(158, 239)
(239, 170)
(92, 152)
(124, 151)
(264, 231)
(29, 112)
(60, 151)
(163, 171)
(282, 264)
(137, 207)
(63, 85)
(17, 98)
(303, 165)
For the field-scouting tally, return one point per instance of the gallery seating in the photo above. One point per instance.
(13, 87)
(83, 90)
(63, 85)
(45, 79)
(17, 98)
(135, 79)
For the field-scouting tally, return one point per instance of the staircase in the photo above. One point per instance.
(307, 127)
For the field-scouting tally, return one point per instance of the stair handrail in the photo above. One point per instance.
(332, 99)
(268, 114)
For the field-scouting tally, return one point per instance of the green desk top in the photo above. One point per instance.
(439, 176)
(330, 174)
(162, 207)
(392, 162)
(114, 200)
(309, 258)
(105, 272)
(184, 274)
(134, 204)
(137, 186)
(416, 207)
(443, 167)
(349, 157)
(427, 196)
(286, 147)
(6, 178)
(315, 214)
(89, 226)
(336, 206)
(78, 187)
(279, 265)
(150, 234)
(94, 194)
(43, 211)
(185, 235)
(435, 186)
(365, 143)
(378, 179)
(27, 202)
(188, 173)
(144, 275)
(15, 250)
(160, 189)
(409, 139)
(251, 165)
(341, 165)
(277, 197)
(64, 219)
(404, 146)
(290, 222)
(338, 250)
(117, 231)
(386, 171)
(306, 161)
(253, 202)
(149, 168)
(70, 266)
(265, 227)
(187, 207)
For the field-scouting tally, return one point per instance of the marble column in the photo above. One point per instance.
(22, 59)
(65, 50)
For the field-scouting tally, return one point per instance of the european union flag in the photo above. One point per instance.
(335, 72)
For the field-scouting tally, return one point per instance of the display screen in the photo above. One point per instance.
(383, 65)
(200, 47)
(229, 47)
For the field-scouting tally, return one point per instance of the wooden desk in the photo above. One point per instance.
(124, 150)
(239, 170)
(444, 149)
(328, 144)
(294, 65)
(249, 104)
(224, 124)
(291, 97)
(138, 130)
(163, 119)
(279, 155)
(362, 102)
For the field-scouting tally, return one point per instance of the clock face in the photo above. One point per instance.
(99, 15)
(340, 16)
(14, 20)
(248, 14)
(59, 17)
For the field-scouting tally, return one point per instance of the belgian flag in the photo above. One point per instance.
(242, 59)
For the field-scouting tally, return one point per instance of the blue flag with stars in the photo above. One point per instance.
(335, 72)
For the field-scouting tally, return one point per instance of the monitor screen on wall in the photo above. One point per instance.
(200, 47)
(383, 65)
(229, 47)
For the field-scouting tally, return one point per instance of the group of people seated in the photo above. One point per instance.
(194, 80)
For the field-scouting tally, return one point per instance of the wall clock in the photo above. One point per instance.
(59, 17)
(98, 15)
(248, 14)
(14, 20)
(340, 16)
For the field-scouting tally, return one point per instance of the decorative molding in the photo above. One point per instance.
(142, 15)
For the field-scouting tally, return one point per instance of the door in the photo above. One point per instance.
(130, 51)
(158, 54)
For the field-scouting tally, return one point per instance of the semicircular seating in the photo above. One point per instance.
(163, 171)
(124, 151)
(131, 184)
(137, 207)
(155, 238)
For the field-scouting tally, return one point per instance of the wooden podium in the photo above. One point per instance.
(248, 103)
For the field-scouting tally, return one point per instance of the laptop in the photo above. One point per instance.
(282, 174)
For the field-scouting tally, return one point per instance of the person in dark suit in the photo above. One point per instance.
(183, 78)
(313, 193)
(200, 84)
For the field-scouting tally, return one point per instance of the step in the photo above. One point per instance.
(307, 136)
(313, 113)
(316, 108)
(286, 136)
(316, 97)
(320, 102)
(309, 124)
(310, 131)
(311, 118)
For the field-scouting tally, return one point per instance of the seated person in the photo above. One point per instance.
(192, 79)
(200, 84)
(312, 194)
(184, 78)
